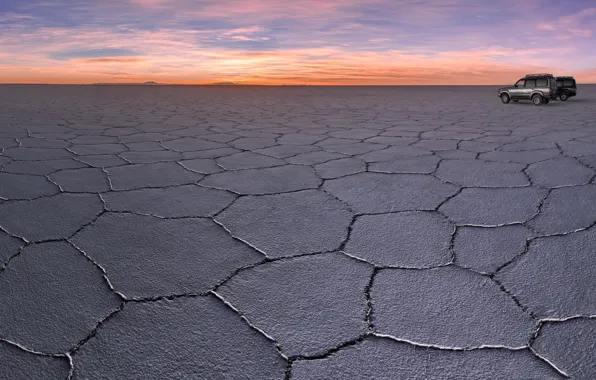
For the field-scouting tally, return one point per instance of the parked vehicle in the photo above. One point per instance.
(539, 88)
(567, 87)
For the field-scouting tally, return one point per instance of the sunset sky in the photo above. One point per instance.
(331, 42)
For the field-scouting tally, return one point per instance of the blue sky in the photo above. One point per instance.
(300, 41)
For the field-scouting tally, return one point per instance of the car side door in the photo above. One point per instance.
(517, 89)
(528, 88)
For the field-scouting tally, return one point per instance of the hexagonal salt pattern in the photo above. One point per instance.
(478, 173)
(23, 186)
(447, 307)
(413, 165)
(570, 346)
(51, 298)
(560, 172)
(408, 239)
(9, 247)
(318, 301)
(138, 176)
(273, 180)
(18, 364)
(41, 168)
(289, 224)
(170, 202)
(555, 277)
(183, 338)
(86, 180)
(146, 256)
(49, 218)
(566, 210)
(487, 249)
(248, 160)
(381, 358)
(379, 193)
(295, 233)
(484, 206)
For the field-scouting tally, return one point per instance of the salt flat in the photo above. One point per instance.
(164, 232)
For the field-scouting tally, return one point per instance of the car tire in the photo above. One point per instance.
(546, 101)
(537, 100)
(515, 101)
(563, 97)
(505, 98)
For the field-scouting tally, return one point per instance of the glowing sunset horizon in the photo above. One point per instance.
(301, 42)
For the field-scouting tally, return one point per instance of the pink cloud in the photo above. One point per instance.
(150, 3)
(577, 16)
(262, 10)
(243, 38)
(112, 60)
(581, 32)
(546, 26)
(570, 26)
(351, 48)
(251, 30)
(10, 16)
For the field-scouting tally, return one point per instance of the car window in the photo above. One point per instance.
(552, 82)
(520, 83)
(560, 83)
(530, 83)
(542, 82)
(568, 83)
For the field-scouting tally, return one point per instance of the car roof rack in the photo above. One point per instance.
(565, 77)
(539, 75)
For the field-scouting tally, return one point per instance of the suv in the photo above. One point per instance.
(566, 87)
(540, 88)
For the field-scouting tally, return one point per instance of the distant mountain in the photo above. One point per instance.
(224, 84)
(151, 83)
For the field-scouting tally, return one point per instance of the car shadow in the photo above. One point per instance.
(553, 103)
(529, 103)
(579, 100)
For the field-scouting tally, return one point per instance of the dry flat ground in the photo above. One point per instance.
(295, 233)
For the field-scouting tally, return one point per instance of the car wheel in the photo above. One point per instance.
(563, 97)
(546, 101)
(537, 100)
(505, 98)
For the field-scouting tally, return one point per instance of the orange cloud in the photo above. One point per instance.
(295, 66)
(327, 65)
(316, 42)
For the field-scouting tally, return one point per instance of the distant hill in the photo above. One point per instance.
(151, 83)
(224, 84)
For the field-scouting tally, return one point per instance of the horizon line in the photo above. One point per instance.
(253, 85)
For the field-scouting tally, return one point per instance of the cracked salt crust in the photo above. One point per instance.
(165, 162)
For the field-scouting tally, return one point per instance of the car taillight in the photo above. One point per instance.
(550, 91)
